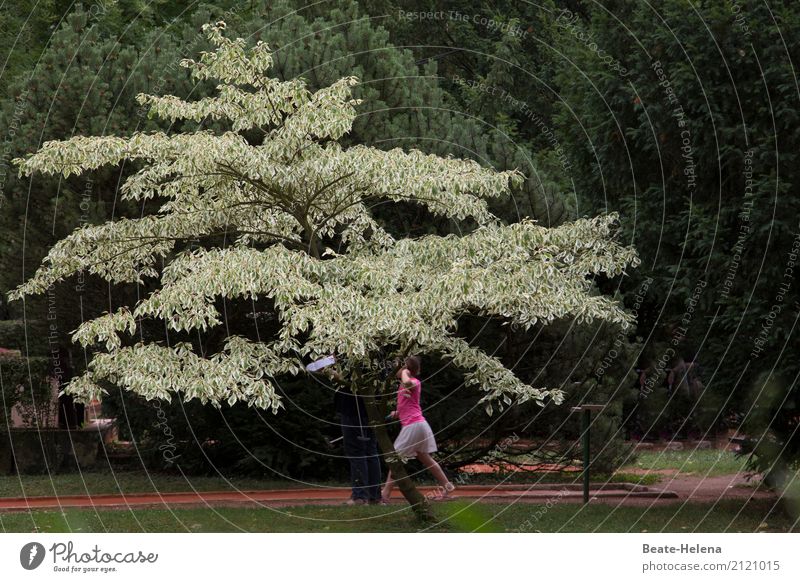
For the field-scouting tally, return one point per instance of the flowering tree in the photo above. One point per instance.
(295, 208)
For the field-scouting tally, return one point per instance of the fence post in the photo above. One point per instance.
(586, 423)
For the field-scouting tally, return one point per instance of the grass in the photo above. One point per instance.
(459, 516)
(727, 516)
(695, 462)
(104, 481)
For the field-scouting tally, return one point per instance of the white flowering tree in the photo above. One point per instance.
(295, 209)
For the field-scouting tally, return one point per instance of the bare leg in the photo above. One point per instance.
(431, 465)
(386, 494)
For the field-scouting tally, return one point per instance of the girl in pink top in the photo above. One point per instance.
(416, 437)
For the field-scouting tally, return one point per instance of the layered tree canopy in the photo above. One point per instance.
(294, 211)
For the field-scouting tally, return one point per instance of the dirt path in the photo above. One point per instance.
(283, 497)
(672, 489)
(710, 489)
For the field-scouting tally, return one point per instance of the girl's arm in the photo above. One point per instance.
(407, 383)
(406, 378)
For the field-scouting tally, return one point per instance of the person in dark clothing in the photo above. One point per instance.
(360, 445)
(70, 413)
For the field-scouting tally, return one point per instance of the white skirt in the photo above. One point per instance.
(415, 438)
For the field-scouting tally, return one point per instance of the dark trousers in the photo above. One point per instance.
(361, 449)
(70, 413)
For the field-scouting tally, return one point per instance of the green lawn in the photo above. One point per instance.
(99, 482)
(727, 516)
(706, 462)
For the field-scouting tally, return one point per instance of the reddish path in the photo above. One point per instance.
(283, 497)
(525, 468)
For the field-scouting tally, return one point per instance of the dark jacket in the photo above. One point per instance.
(350, 406)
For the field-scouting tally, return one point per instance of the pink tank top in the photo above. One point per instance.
(408, 408)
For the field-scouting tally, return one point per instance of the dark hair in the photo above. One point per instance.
(413, 364)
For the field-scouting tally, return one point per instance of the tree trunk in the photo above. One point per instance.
(376, 411)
